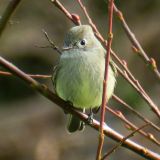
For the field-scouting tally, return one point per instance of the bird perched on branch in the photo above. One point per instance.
(79, 74)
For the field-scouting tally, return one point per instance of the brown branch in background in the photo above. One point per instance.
(120, 101)
(128, 75)
(130, 125)
(105, 84)
(3, 73)
(43, 90)
(73, 17)
(136, 45)
(123, 140)
(144, 95)
(7, 14)
(98, 34)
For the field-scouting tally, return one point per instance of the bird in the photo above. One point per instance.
(79, 74)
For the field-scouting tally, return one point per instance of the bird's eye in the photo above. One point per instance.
(83, 42)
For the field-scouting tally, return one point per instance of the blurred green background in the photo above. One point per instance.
(31, 127)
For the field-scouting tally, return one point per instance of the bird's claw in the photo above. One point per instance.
(90, 118)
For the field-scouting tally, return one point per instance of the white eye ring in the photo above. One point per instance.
(83, 42)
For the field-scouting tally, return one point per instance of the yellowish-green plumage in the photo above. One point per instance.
(78, 77)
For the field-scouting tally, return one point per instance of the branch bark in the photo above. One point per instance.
(105, 84)
(136, 45)
(7, 13)
(43, 90)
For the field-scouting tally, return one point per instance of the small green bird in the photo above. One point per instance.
(78, 77)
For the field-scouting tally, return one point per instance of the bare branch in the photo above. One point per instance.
(73, 17)
(98, 34)
(105, 84)
(130, 125)
(143, 94)
(43, 90)
(51, 42)
(119, 100)
(136, 45)
(7, 13)
(3, 73)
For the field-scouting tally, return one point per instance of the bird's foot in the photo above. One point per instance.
(90, 117)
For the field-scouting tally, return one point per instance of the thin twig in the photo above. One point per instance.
(3, 73)
(43, 90)
(105, 84)
(136, 45)
(123, 140)
(144, 95)
(98, 34)
(7, 13)
(147, 135)
(51, 42)
(73, 17)
(120, 101)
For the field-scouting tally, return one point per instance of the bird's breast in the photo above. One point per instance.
(80, 80)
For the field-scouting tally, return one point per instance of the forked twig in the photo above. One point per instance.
(51, 42)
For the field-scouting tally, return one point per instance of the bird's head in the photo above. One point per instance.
(81, 37)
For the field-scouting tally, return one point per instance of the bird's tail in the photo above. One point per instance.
(74, 124)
